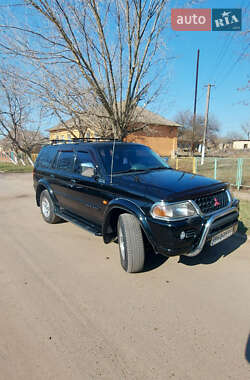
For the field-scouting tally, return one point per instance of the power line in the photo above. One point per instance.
(232, 67)
(222, 53)
(221, 56)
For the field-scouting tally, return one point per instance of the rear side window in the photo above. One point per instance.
(46, 157)
(65, 161)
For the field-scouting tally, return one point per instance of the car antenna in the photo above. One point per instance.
(112, 159)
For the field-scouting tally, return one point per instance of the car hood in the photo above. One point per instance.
(169, 184)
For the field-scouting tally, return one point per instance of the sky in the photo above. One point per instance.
(222, 63)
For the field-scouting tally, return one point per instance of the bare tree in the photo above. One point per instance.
(185, 118)
(231, 136)
(246, 129)
(116, 47)
(64, 96)
(16, 109)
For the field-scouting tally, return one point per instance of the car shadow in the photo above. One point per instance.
(247, 352)
(62, 221)
(152, 260)
(242, 228)
(210, 255)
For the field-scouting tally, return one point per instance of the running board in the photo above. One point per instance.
(83, 224)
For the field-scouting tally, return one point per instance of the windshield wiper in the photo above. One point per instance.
(146, 170)
(131, 171)
(159, 168)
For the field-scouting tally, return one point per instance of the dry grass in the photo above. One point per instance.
(226, 168)
(244, 220)
(8, 167)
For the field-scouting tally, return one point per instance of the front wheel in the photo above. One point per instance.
(130, 238)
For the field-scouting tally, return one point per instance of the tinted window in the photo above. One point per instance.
(65, 161)
(46, 157)
(82, 158)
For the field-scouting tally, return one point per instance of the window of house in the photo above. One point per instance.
(245, 146)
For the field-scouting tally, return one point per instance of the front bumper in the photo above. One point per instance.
(198, 230)
(210, 229)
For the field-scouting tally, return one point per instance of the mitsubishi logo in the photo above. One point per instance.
(216, 202)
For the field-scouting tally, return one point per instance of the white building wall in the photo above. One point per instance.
(241, 145)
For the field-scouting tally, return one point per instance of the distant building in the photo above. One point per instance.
(241, 144)
(224, 146)
(159, 133)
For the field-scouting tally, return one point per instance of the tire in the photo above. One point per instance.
(47, 208)
(130, 238)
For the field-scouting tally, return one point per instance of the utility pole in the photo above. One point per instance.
(205, 123)
(195, 99)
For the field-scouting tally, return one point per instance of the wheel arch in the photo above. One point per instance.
(115, 209)
(43, 185)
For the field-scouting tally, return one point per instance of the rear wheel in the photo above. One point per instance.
(132, 252)
(47, 208)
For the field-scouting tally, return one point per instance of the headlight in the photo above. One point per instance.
(178, 210)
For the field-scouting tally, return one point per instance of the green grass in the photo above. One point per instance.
(8, 167)
(244, 220)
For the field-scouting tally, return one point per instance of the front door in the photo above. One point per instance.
(87, 191)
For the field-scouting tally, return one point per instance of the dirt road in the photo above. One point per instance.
(68, 310)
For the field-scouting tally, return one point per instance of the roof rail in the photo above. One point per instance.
(83, 139)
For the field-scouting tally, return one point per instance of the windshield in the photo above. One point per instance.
(130, 158)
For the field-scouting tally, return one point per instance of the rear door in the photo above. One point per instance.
(60, 178)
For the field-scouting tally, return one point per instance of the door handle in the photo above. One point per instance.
(72, 183)
(52, 175)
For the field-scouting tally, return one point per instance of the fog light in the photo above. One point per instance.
(182, 235)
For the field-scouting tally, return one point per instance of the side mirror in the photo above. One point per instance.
(87, 169)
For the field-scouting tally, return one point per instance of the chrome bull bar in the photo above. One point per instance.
(210, 221)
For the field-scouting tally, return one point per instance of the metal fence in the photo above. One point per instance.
(5, 157)
(34, 156)
(11, 158)
(236, 171)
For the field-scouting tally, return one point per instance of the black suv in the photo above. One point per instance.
(126, 191)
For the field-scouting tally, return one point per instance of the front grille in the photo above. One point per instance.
(212, 202)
